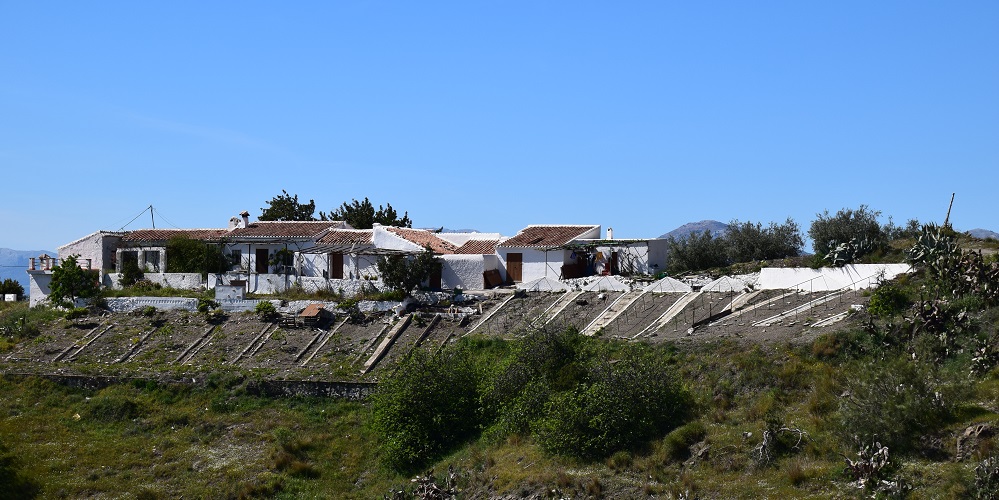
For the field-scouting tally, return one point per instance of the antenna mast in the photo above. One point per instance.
(947, 219)
(154, 218)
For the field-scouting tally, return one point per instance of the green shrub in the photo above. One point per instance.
(428, 406)
(206, 305)
(626, 404)
(266, 311)
(828, 231)
(111, 406)
(676, 445)
(130, 273)
(888, 300)
(13, 483)
(895, 402)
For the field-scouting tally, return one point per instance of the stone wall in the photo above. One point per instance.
(463, 271)
(180, 281)
(128, 304)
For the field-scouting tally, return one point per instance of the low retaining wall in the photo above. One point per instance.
(129, 304)
(180, 281)
(353, 391)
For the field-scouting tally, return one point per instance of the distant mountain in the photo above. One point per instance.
(14, 263)
(716, 228)
(983, 234)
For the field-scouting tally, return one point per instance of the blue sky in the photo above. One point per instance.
(640, 116)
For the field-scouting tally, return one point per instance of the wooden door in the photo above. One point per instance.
(613, 263)
(336, 266)
(514, 267)
(434, 281)
(261, 261)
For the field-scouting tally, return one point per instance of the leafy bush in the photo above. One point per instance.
(13, 483)
(676, 445)
(747, 241)
(130, 273)
(266, 311)
(627, 403)
(111, 406)
(187, 255)
(986, 485)
(428, 406)
(206, 305)
(696, 251)
(70, 282)
(888, 299)
(827, 231)
(405, 274)
(896, 402)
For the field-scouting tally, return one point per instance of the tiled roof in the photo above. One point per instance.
(284, 229)
(546, 236)
(347, 237)
(481, 247)
(424, 238)
(151, 235)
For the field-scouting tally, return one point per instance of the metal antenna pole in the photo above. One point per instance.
(151, 216)
(947, 219)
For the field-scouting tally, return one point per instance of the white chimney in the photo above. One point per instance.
(610, 233)
(246, 218)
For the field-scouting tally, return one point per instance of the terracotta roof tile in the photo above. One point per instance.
(151, 235)
(284, 229)
(546, 236)
(347, 237)
(480, 247)
(424, 238)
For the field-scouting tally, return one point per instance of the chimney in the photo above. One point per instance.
(246, 218)
(610, 233)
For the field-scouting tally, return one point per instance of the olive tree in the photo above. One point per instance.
(71, 282)
(829, 231)
(404, 273)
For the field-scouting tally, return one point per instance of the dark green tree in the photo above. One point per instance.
(748, 241)
(696, 251)
(11, 286)
(404, 273)
(829, 231)
(286, 207)
(187, 255)
(362, 215)
(71, 282)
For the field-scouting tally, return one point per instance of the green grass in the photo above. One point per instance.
(164, 442)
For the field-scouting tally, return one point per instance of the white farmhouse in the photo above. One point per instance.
(540, 251)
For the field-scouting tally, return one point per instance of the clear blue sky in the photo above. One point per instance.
(494, 115)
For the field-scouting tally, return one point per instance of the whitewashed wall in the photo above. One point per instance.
(537, 263)
(313, 264)
(464, 271)
(385, 239)
(99, 247)
(347, 287)
(38, 287)
(180, 281)
(642, 258)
